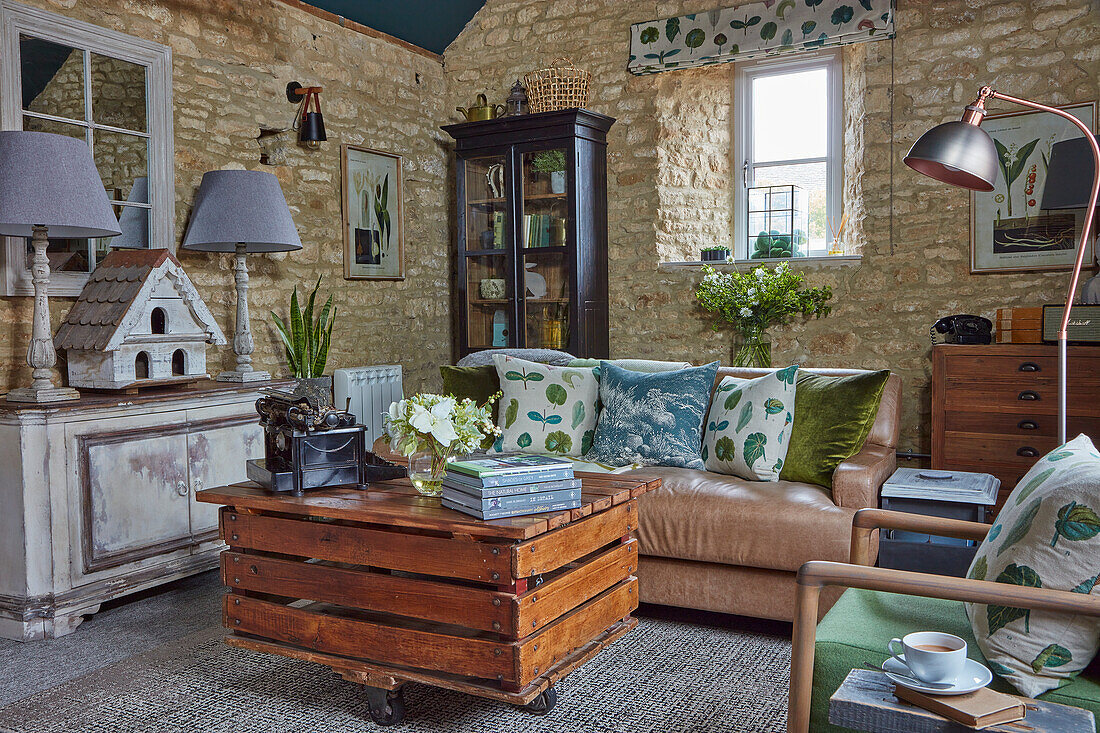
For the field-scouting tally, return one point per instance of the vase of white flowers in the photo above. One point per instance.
(754, 301)
(430, 429)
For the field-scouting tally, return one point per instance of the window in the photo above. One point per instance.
(158, 321)
(787, 133)
(114, 92)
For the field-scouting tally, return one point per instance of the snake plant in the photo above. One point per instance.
(307, 340)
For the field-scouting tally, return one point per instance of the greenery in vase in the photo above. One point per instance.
(715, 248)
(440, 424)
(548, 161)
(307, 340)
(756, 300)
(774, 244)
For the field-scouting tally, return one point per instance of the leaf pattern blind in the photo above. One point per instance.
(756, 29)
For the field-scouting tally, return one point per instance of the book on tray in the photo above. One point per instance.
(979, 709)
(510, 485)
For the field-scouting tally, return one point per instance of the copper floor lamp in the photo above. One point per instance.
(962, 154)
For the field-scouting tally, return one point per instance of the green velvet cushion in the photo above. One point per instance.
(858, 627)
(832, 418)
(479, 383)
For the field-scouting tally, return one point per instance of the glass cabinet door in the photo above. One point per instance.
(489, 285)
(544, 243)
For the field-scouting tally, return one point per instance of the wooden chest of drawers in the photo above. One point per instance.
(995, 408)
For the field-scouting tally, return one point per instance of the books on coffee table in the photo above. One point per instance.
(979, 709)
(512, 506)
(510, 469)
(510, 485)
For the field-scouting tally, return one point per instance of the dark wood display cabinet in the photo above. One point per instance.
(532, 232)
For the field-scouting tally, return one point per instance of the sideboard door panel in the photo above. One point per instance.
(217, 451)
(134, 496)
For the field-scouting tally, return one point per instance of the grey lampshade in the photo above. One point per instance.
(958, 153)
(51, 180)
(1069, 175)
(245, 207)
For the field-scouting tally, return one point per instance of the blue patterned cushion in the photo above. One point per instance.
(652, 419)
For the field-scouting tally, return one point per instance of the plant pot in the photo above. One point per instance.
(753, 351)
(318, 390)
(427, 468)
(557, 182)
(714, 255)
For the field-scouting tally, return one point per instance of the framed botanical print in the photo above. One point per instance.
(1009, 232)
(374, 239)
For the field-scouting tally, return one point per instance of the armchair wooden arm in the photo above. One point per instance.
(867, 521)
(815, 575)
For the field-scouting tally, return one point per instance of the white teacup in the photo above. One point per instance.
(931, 656)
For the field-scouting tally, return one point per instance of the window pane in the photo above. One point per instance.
(65, 255)
(118, 93)
(52, 77)
(790, 115)
(57, 128)
(810, 177)
(123, 163)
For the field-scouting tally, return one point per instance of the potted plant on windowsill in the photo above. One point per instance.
(715, 253)
(306, 342)
(754, 301)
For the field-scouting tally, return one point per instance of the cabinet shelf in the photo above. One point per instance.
(473, 202)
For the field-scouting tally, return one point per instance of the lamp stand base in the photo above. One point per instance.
(49, 394)
(244, 377)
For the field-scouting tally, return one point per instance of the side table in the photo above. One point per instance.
(387, 587)
(865, 701)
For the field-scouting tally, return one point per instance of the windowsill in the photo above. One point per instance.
(815, 262)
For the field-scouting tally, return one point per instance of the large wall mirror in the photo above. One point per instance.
(114, 92)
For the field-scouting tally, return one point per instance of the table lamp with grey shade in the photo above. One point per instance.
(49, 186)
(1069, 175)
(241, 212)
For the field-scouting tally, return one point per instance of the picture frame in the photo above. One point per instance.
(372, 204)
(1008, 230)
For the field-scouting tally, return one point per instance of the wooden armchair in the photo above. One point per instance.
(813, 576)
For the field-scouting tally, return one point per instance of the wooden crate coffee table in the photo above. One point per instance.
(386, 587)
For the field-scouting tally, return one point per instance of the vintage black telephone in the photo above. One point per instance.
(963, 329)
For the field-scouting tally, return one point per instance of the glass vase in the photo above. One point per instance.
(753, 350)
(427, 467)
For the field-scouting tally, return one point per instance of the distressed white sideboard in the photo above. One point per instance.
(97, 496)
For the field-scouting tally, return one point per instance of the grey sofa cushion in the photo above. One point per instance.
(542, 356)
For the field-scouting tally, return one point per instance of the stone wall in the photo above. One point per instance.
(669, 173)
(231, 63)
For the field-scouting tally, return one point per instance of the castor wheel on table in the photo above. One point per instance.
(544, 703)
(387, 707)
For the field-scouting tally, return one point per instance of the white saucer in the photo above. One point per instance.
(974, 676)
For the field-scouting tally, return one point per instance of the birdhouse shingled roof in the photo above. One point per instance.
(99, 318)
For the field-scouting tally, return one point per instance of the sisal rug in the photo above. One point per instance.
(664, 676)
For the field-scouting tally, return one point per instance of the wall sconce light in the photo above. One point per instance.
(310, 125)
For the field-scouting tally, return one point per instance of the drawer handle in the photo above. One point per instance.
(1030, 366)
(1027, 452)
(1028, 396)
(1027, 425)
(181, 488)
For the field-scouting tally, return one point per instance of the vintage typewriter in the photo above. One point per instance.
(310, 445)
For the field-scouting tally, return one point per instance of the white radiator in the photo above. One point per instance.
(370, 391)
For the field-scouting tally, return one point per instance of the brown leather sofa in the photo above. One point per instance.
(719, 543)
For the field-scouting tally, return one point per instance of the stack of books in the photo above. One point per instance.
(510, 485)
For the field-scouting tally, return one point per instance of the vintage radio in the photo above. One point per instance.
(1084, 323)
(308, 445)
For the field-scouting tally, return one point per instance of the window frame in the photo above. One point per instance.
(742, 135)
(17, 19)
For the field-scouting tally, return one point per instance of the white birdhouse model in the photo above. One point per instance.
(138, 322)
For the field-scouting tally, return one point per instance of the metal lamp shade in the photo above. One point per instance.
(957, 153)
(1069, 175)
(241, 207)
(51, 180)
(313, 128)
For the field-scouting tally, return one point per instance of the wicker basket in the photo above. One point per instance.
(560, 86)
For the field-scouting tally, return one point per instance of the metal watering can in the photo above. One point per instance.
(482, 110)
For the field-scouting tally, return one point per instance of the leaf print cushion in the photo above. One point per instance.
(1046, 536)
(544, 408)
(749, 426)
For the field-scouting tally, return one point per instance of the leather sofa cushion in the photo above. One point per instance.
(709, 517)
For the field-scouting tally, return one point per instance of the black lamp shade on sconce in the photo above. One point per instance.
(1069, 175)
(313, 128)
(957, 153)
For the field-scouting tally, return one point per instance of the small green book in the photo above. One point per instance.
(508, 464)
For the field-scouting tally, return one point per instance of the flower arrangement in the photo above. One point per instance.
(430, 428)
(756, 300)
